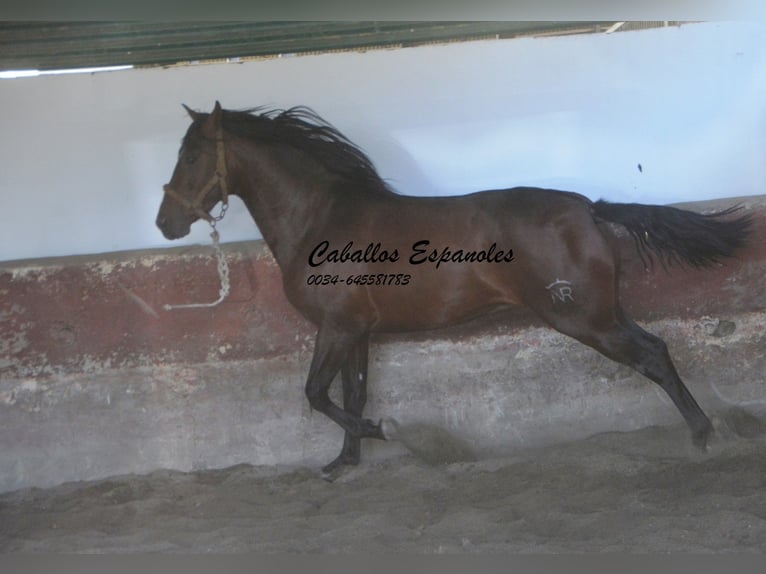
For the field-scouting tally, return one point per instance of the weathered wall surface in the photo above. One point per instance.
(97, 379)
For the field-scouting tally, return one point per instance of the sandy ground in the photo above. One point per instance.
(642, 491)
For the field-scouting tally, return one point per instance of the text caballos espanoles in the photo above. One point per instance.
(421, 252)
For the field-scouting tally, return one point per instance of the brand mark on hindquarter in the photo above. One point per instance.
(561, 290)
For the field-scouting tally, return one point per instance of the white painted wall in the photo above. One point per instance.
(84, 157)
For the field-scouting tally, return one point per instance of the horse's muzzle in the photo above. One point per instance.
(173, 227)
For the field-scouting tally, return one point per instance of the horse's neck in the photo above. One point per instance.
(286, 194)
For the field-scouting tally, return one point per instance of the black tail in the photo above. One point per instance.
(676, 235)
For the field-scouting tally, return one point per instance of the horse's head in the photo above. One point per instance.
(199, 178)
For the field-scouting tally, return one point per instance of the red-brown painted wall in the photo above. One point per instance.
(87, 313)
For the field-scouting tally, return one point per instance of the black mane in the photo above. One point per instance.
(304, 129)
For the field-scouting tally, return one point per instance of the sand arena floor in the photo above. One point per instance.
(641, 491)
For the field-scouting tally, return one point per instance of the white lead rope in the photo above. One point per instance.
(223, 274)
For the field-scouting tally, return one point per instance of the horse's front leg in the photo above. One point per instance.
(337, 350)
(354, 377)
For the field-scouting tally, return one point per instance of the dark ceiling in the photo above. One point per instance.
(61, 45)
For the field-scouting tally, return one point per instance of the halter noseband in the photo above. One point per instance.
(218, 178)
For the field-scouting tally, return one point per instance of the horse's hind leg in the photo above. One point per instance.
(629, 344)
(571, 282)
(625, 342)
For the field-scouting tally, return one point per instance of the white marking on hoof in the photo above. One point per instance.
(390, 428)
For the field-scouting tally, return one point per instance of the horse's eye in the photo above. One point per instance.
(191, 158)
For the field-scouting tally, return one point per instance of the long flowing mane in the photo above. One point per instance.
(304, 129)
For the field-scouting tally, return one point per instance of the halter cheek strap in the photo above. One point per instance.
(217, 179)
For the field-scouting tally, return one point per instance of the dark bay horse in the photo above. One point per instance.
(357, 258)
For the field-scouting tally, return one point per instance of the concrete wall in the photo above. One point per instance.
(97, 379)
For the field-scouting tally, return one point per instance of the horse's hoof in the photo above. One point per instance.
(336, 468)
(389, 428)
(330, 474)
(701, 438)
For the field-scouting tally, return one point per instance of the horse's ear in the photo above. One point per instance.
(192, 114)
(213, 122)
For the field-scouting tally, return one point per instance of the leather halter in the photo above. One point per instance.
(217, 179)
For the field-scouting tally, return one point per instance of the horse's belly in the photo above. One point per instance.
(434, 305)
